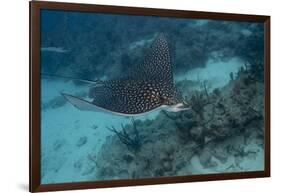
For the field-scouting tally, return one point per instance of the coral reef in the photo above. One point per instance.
(222, 132)
(91, 50)
(132, 141)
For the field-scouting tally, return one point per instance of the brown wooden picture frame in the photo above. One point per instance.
(34, 100)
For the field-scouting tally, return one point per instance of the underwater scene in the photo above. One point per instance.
(131, 97)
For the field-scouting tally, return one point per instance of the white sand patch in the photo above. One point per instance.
(216, 73)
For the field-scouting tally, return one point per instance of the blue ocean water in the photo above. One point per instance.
(215, 63)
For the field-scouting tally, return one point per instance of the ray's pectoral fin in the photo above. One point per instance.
(85, 105)
(80, 103)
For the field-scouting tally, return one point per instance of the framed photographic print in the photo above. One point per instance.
(123, 96)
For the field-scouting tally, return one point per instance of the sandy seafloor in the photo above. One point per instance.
(70, 136)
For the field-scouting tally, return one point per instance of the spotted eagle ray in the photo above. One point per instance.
(147, 87)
